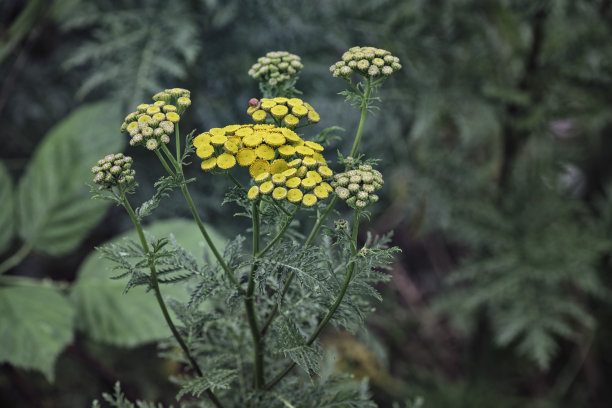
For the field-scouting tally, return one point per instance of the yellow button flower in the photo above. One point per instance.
(226, 161)
(259, 166)
(279, 193)
(279, 111)
(230, 129)
(230, 147)
(294, 195)
(291, 121)
(246, 157)
(309, 200)
(299, 111)
(293, 182)
(205, 151)
(304, 151)
(259, 116)
(289, 173)
(252, 140)
(286, 150)
(278, 166)
(274, 139)
(267, 104)
(264, 152)
(217, 132)
(314, 146)
(309, 162)
(290, 135)
(201, 139)
(315, 176)
(253, 193)
(279, 179)
(173, 116)
(309, 183)
(327, 186)
(294, 164)
(266, 187)
(321, 192)
(313, 117)
(244, 131)
(209, 164)
(260, 178)
(293, 102)
(325, 171)
(218, 140)
(280, 99)
(152, 110)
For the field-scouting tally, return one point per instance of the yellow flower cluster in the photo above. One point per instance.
(287, 112)
(366, 61)
(280, 162)
(152, 124)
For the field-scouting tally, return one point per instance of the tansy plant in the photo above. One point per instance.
(255, 311)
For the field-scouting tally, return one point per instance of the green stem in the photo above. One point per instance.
(164, 162)
(315, 229)
(16, 258)
(178, 143)
(365, 101)
(279, 234)
(249, 303)
(198, 220)
(160, 299)
(347, 280)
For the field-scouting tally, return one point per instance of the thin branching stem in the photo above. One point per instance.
(16, 258)
(280, 233)
(249, 303)
(347, 280)
(160, 299)
(198, 220)
(315, 229)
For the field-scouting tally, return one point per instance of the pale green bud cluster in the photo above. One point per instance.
(153, 124)
(113, 170)
(357, 187)
(276, 68)
(367, 61)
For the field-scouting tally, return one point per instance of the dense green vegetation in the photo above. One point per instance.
(493, 139)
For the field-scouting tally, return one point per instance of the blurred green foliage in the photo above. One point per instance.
(493, 139)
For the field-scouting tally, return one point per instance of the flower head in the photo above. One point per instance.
(276, 68)
(357, 186)
(288, 112)
(366, 61)
(112, 171)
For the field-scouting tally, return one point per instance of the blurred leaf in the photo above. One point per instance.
(7, 216)
(55, 211)
(105, 314)
(36, 323)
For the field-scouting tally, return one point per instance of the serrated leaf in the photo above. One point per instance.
(7, 213)
(293, 345)
(36, 323)
(218, 378)
(107, 315)
(55, 211)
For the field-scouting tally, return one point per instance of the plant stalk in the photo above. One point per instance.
(249, 303)
(347, 280)
(160, 299)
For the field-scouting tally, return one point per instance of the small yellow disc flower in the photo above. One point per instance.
(253, 140)
(218, 140)
(291, 121)
(294, 195)
(279, 193)
(274, 139)
(259, 116)
(259, 166)
(293, 182)
(204, 151)
(264, 152)
(246, 157)
(278, 166)
(286, 150)
(226, 161)
(266, 187)
(279, 111)
(309, 200)
(253, 193)
(209, 164)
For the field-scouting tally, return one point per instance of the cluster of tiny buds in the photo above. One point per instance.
(113, 170)
(276, 68)
(366, 61)
(152, 124)
(357, 186)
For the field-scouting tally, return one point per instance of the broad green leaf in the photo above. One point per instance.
(7, 210)
(36, 323)
(55, 210)
(108, 315)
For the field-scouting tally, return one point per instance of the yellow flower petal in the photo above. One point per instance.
(278, 166)
(279, 193)
(253, 193)
(314, 146)
(253, 140)
(266, 187)
(321, 192)
(218, 140)
(304, 151)
(293, 182)
(274, 139)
